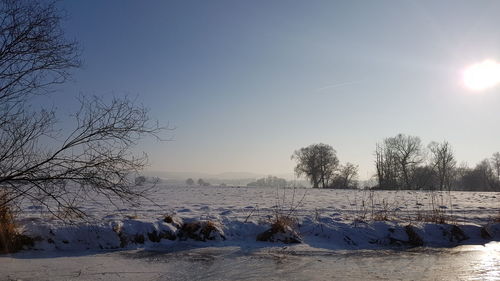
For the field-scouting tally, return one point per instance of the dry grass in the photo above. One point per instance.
(372, 208)
(413, 238)
(437, 211)
(368, 206)
(285, 213)
(284, 227)
(168, 219)
(10, 239)
(284, 219)
(7, 227)
(380, 216)
(282, 223)
(434, 216)
(173, 220)
(208, 228)
(200, 231)
(497, 218)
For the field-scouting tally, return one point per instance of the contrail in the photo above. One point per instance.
(336, 85)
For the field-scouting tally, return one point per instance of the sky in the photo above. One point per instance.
(245, 83)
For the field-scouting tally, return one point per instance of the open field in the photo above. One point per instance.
(331, 219)
(342, 235)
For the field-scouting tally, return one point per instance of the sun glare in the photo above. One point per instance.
(482, 76)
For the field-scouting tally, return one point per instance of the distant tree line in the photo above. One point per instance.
(201, 182)
(320, 165)
(269, 181)
(141, 180)
(403, 162)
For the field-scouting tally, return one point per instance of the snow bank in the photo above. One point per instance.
(328, 234)
(223, 216)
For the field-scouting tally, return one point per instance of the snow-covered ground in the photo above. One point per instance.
(327, 219)
(340, 234)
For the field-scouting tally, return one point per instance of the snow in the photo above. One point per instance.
(188, 262)
(327, 219)
(210, 233)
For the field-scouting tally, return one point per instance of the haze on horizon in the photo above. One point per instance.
(245, 84)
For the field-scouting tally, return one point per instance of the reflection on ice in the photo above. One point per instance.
(262, 263)
(460, 263)
(488, 265)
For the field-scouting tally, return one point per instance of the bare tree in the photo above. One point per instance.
(396, 161)
(36, 161)
(387, 167)
(485, 174)
(346, 177)
(408, 154)
(95, 156)
(495, 164)
(34, 53)
(443, 162)
(318, 162)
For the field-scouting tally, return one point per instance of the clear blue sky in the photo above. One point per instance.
(246, 83)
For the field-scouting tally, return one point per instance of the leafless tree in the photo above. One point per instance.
(408, 154)
(318, 162)
(486, 175)
(346, 177)
(443, 162)
(386, 166)
(38, 162)
(480, 178)
(396, 161)
(495, 164)
(34, 53)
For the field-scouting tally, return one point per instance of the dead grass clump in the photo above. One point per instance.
(284, 221)
(380, 216)
(282, 230)
(168, 219)
(121, 235)
(173, 220)
(201, 231)
(497, 218)
(457, 234)
(10, 239)
(413, 238)
(208, 228)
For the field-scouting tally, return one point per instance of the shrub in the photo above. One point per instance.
(10, 239)
(282, 230)
(284, 221)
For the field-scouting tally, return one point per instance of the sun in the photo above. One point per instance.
(482, 76)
